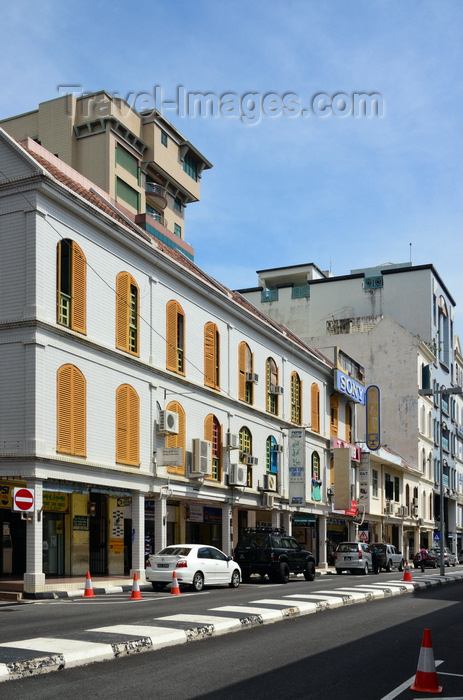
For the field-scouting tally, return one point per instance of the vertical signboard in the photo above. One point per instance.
(373, 418)
(364, 483)
(297, 467)
(341, 465)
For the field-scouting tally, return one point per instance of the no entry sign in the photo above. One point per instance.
(23, 500)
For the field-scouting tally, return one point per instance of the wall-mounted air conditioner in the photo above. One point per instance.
(232, 442)
(415, 501)
(168, 422)
(251, 461)
(415, 511)
(238, 475)
(278, 449)
(405, 511)
(389, 509)
(268, 500)
(202, 458)
(270, 482)
(274, 389)
(252, 377)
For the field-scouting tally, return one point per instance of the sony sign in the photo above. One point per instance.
(347, 385)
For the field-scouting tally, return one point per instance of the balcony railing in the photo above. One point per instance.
(156, 193)
(269, 295)
(300, 292)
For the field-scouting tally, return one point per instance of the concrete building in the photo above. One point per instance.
(150, 171)
(397, 321)
(142, 402)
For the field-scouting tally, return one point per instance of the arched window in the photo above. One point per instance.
(127, 313)
(271, 371)
(296, 398)
(423, 501)
(178, 440)
(212, 433)
(407, 497)
(71, 285)
(349, 423)
(423, 461)
(71, 411)
(211, 356)
(127, 425)
(334, 413)
(175, 337)
(315, 407)
(245, 373)
(431, 507)
(246, 451)
(271, 455)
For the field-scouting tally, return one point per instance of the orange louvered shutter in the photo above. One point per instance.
(315, 408)
(242, 351)
(127, 425)
(71, 411)
(122, 311)
(58, 280)
(134, 432)
(177, 440)
(78, 287)
(209, 428)
(63, 404)
(79, 410)
(210, 355)
(171, 336)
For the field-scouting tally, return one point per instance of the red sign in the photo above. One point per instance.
(363, 536)
(23, 499)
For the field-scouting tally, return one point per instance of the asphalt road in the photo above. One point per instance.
(361, 651)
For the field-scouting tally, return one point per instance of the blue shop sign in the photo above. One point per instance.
(347, 385)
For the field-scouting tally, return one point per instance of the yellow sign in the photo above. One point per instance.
(55, 501)
(373, 418)
(116, 545)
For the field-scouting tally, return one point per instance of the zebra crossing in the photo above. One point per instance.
(38, 655)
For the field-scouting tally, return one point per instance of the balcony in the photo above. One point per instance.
(156, 195)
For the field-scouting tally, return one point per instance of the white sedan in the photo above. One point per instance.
(196, 565)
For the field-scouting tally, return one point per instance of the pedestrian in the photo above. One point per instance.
(423, 557)
(375, 559)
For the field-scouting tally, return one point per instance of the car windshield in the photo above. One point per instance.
(380, 547)
(348, 547)
(174, 552)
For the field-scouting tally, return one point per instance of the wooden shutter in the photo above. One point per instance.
(242, 351)
(334, 410)
(127, 425)
(71, 411)
(210, 355)
(172, 310)
(209, 427)
(177, 440)
(78, 289)
(122, 311)
(58, 280)
(315, 408)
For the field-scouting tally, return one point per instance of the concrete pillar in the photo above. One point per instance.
(322, 538)
(160, 523)
(276, 518)
(251, 518)
(34, 578)
(287, 523)
(227, 529)
(138, 528)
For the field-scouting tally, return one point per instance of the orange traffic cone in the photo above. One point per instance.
(88, 593)
(407, 575)
(135, 589)
(174, 589)
(426, 676)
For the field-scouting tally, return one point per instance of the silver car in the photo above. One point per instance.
(450, 558)
(195, 565)
(353, 556)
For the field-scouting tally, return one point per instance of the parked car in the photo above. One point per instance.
(389, 557)
(449, 557)
(353, 556)
(195, 565)
(431, 559)
(266, 550)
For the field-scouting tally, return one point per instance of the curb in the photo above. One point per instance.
(73, 655)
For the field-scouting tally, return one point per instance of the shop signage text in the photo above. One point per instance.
(347, 385)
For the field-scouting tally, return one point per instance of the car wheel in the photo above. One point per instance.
(198, 581)
(389, 566)
(454, 563)
(245, 576)
(284, 572)
(339, 571)
(157, 586)
(434, 565)
(235, 579)
(401, 565)
(365, 570)
(309, 573)
(448, 564)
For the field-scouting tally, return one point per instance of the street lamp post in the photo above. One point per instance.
(442, 391)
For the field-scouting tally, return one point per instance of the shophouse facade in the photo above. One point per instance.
(397, 320)
(142, 402)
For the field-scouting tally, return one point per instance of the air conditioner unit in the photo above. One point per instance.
(251, 461)
(270, 482)
(232, 442)
(415, 511)
(168, 422)
(238, 475)
(278, 449)
(252, 377)
(405, 511)
(415, 501)
(274, 389)
(268, 500)
(389, 509)
(202, 458)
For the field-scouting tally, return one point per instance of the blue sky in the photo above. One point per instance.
(340, 191)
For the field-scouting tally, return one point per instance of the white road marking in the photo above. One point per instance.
(160, 636)
(220, 623)
(72, 651)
